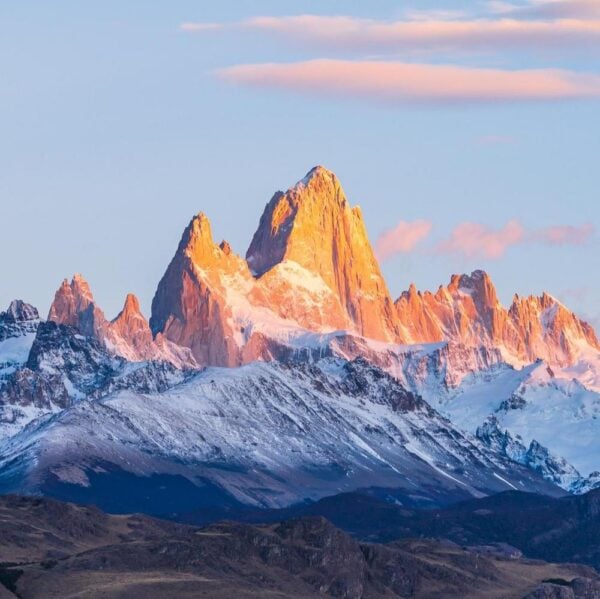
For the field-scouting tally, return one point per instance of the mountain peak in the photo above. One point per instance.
(197, 240)
(74, 305)
(318, 173)
(313, 225)
(478, 285)
(70, 298)
(200, 227)
(131, 306)
(20, 311)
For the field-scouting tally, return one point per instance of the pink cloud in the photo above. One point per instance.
(422, 32)
(565, 235)
(477, 240)
(403, 238)
(397, 82)
(549, 9)
(474, 240)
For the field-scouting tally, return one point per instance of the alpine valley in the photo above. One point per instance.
(290, 375)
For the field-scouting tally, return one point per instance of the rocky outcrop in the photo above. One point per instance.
(128, 335)
(548, 330)
(19, 318)
(74, 306)
(536, 456)
(18, 326)
(468, 311)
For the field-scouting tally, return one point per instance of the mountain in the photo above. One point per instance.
(309, 268)
(561, 529)
(313, 225)
(535, 407)
(314, 349)
(127, 336)
(61, 367)
(196, 298)
(310, 279)
(265, 434)
(536, 456)
(18, 326)
(468, 311)
(310, 272)
(60, 550)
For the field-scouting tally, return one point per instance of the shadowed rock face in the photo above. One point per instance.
(75, 550)
(18, 312)
(18, 320)
(63, 367)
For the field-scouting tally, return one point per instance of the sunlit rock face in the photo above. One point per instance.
(74, 306)
(312, 225)
(468, 311)
(309, 268)
(128, 335)
(192, 306)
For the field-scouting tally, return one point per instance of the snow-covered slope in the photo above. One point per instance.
(536, 404)
(18, 325)
(266, 434)
(59, 367)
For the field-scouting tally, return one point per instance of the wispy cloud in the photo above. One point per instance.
(403, 238)
(423, 31)
(564, 235)
(475, 240)
(396, 82)
(549, 9)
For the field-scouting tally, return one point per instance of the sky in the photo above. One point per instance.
(468, 132)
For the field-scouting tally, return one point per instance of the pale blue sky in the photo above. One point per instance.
(115, 131)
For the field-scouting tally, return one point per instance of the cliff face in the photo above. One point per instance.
(128, 335)
(310, 267)
(192, 306)
(468, 311)
(74, 306)
(312, 225)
